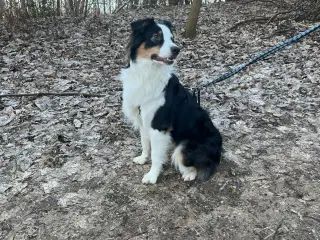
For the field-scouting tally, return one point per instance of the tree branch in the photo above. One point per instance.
(121, 7)
(258, 20)
(261, 20)
(276, 15)
(41, 94)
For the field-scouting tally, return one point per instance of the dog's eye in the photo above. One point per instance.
(155, 37)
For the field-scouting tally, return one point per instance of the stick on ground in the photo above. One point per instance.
(40, 94)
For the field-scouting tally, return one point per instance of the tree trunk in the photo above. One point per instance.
(2, 8)
(86, 9)
(191, 26)
(153, 2)
(32, 8)
(76, 7)
(58, 7)
(317, 10)
(71, 7)
(2, 4)
(81, 7)
(23, 6)
(173, 2)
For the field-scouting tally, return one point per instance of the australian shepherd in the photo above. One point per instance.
(165, 112)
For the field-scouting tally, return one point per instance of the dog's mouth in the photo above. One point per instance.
(157, 58)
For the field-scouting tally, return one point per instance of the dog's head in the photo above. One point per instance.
(152, 41)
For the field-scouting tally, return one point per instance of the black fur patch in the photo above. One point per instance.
(141, 24)
(190, 125)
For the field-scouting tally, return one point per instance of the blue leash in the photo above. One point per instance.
(253, 60)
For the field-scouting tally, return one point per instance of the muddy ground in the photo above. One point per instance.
(66, 169)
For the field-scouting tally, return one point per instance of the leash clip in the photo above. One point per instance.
(197, 97)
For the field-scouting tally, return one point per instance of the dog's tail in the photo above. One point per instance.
(204, 156)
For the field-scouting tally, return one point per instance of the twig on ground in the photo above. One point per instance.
(299, 214)
(247, 2)
(110, 35)
(276, 15)
(257, 20)
(255, 1)
(316, 219)
(289, 9)
(261, 19)
(41, 94)
(303, 25)
(270, 235)
(224, 185)
(277, 229)
(260, 179)
(274, 3)
(275, 232)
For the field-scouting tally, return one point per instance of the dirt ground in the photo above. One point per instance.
(66, 169)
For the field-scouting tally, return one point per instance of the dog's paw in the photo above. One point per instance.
(190, 175)
(140, 160)
(150, 178)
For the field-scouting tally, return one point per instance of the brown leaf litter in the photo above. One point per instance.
(66, 168)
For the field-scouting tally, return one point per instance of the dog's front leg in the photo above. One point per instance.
(160, 142)
(145, 143)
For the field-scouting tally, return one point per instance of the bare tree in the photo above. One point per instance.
(81, 8)
(153, 2)
(86, 8)
(2, 8)
(17, 11)
(58, 8)
(191, 26)
(173, 2)
(71, 7)
(318, 9)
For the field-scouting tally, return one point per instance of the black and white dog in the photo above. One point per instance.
(162, 109)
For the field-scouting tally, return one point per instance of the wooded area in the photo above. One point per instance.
(15, 10)
(14, 13)
(42, 8)
(66, 168)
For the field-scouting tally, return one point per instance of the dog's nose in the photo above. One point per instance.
(175, 50)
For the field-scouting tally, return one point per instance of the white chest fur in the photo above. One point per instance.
(143, 85)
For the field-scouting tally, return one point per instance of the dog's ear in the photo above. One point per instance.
(168, 24)
(141, 24)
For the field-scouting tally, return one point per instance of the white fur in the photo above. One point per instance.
(177, 157)
(165, 50)
(160, 143)
(188, 173)
(145, 142)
